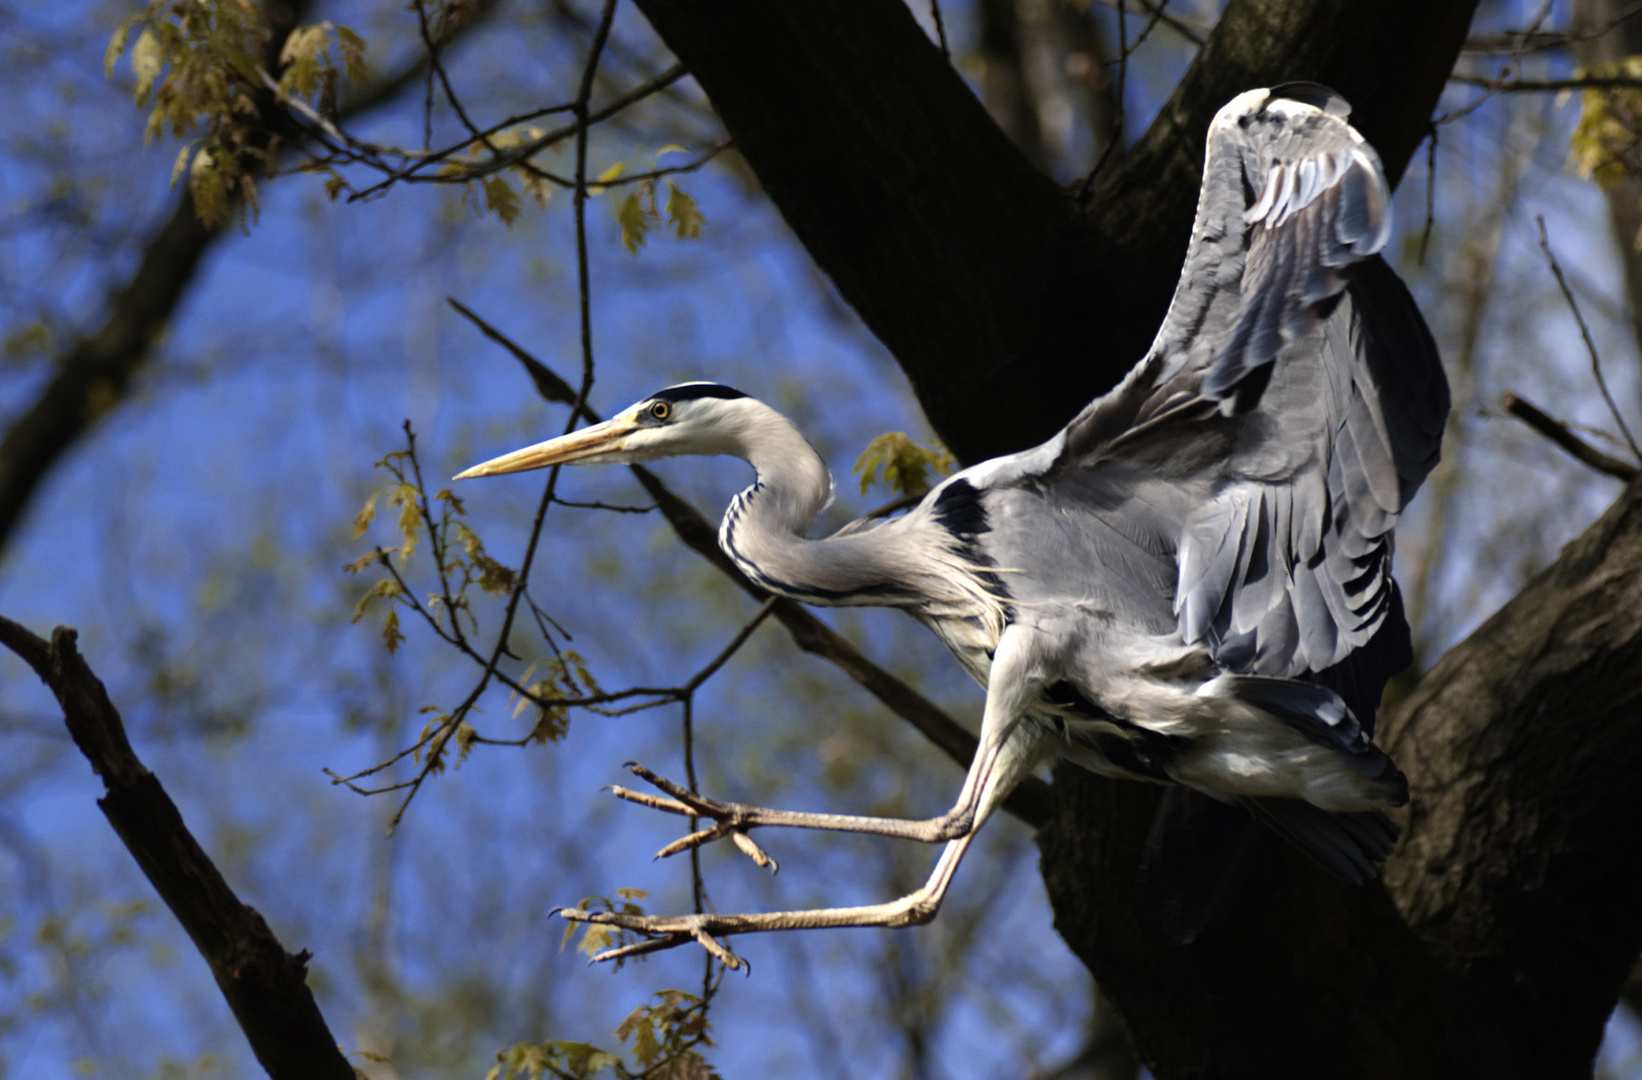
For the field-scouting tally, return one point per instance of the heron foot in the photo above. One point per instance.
(732, 818)
(660, 932)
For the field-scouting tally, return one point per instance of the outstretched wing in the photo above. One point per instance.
(1293, 390)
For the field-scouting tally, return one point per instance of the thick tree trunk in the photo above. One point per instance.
(1512, 910)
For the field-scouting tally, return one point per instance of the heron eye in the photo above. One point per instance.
(660, 410)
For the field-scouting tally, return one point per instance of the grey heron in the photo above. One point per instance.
(1190, 583)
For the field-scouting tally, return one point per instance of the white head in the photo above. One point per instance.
(690, 418)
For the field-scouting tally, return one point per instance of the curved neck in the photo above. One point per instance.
(764, 527)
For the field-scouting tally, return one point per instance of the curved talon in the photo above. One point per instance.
(757, 854)
(724, 955)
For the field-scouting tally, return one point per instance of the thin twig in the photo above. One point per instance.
(1510, 69)
(940, 28)
(1559, 433)
(1430, 191)
(412, 173)
(1192, 33)
(1122, 77)
(1590, 346)
(1585, 82)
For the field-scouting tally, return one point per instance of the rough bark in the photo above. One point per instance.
(1522, 748)
(264, 985)
(1499, 948)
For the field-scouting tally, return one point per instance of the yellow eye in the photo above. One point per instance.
(660, 410)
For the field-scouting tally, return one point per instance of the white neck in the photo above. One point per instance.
(764, 528)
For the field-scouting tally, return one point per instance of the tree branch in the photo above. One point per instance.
(264, 985)
(1559, 433)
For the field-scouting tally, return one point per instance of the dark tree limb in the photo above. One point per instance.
(1522, 747)
(1563, 436)
(265, 986)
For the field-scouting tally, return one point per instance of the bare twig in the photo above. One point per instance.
(1192, 32)
(1506, 73)
(1590, 346)
(1560, 434)
(1508, 85)
(1517, 42)
(940, 28)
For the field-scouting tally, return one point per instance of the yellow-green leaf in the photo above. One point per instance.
(146, 60)
(391, 637)
(598, 186)
(208, 184)
(634, 221)
(116, 46)
(385, 587)
(181, 164)
(366, 515)
(686, 217)
(501, 198)
(353, 52)
(906, 465)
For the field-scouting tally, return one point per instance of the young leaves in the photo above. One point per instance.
(905, 463)
(197, 68)
(686, 217)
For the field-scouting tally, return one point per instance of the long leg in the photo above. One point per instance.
(1007, 752)
(1016, 675)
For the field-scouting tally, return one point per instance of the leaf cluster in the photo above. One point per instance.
(198, 69)
(463, 563)
(1605, 143)
(665, 1032)
(906, 463)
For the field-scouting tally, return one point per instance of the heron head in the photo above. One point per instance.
(690, 418)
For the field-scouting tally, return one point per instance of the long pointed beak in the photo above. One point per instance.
(578, 445)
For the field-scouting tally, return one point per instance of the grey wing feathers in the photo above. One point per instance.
(1291, 197)
(1295, 380)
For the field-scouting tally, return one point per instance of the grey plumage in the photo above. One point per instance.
(1191, 582)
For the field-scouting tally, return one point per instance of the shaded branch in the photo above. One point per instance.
(264, 985)
(1562, 435)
